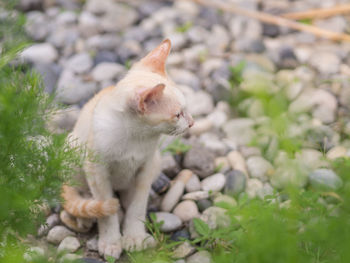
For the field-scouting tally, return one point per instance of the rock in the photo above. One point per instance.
(221, 164)
(58, 233)
(72, 90)
(186, 210)
(214, 183)
(64, 119)
(69, 244)
(32, 253)
(69, 258)
(200, 257)
(43, 53)
(240, 131)
(199, 103)
(204, 204)
(107, 71)
(91, 260)
(325, 62)
(185, 77)
(118, 18)
(198, 195)
(216, 217)
(270, 30)
(259, 168)
(169, 166)
(51, 221)
(88, 24)
(79, 63)
(66, 18)
(201, 126)
(311, 158)
(325, 179)
(180, 235)
(175, 192)
(287, 58)
(183, 250)
(266, 190)
(49, 73)
(289, 172)
(199, 160)
(248, 151)
(36, 25)
(161, 184)
(335, 24)
(235, 182)
(171, 221)
(337, 152)
(325, 106)
(254, 186)
(248, 45)
(218, 118)
(225, 199)
(218, 39)
(237, 162)
(193, 184)
(213, 143)
(105, 56)
(92, 244)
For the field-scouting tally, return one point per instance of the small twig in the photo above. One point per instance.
(276, 20)
(319, 12)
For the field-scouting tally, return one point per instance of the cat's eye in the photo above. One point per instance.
(178, 115)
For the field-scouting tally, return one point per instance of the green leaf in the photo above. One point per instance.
(201, 227)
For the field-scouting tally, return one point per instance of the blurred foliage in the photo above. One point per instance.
(176, 147)
(33, 162)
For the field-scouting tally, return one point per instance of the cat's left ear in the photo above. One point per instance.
(148, 97)
(155, 60)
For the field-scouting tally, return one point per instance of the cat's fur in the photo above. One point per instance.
(122, 125)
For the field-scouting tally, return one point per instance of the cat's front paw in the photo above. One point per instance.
(138, 242)
(108, 248)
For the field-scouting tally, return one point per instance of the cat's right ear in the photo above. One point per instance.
(155, 60)
(146, 98)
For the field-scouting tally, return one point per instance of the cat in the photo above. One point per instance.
(122, 125)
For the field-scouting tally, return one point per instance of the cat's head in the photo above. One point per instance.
(156, 100)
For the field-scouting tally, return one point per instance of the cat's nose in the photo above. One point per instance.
(190, 121)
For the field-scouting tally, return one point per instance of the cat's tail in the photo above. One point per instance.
(78, 206)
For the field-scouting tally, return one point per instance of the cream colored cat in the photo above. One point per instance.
(122, 125)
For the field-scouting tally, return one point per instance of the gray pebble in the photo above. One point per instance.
(199, 160)
(171, 221)
(204, 204)
(214, 183)
(161, 184)
(79, 63)
(43, 53)
(193, 184)
(325, 179)
(69, 244)
(200, 257)
(58, 233)
(258, 167)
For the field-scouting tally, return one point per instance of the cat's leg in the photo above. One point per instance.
(135, 236)
(98, 178)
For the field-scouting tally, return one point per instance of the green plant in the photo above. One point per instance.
(185, 27)
(176, 147)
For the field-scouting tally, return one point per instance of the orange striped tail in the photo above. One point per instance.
(78, 206)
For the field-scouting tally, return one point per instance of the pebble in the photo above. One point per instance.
(240, 130)
(69, 244)
(161, 184)
(325, 62)
(259, 168)
(79, 63)
(213, 143)
(43, 53)
(92, 244)
(186, 210)
(214, 183)
(225, 199)
(198, 195)
(199, 160)
(199, 103)
(254, 186)
(171, 221)
(237, 162)
(169, 166)
(69, 258)
(235, 182)
(175, 192)
(204, 204)
(200, 257)
(336, 152)
(51, 221)
(185, 77)
(221, 164)
(91, 260)
(201, 126)
(193, 184)
(180, 235)
(325, 179)
(183, 250)
(311, 158)
(64, 119)
(107, 71)
(32, 253)
(216, 217)
(58, 233)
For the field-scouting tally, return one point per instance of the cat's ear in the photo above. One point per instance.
(155, 60)
(148, 97)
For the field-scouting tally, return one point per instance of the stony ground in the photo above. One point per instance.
(291, 94)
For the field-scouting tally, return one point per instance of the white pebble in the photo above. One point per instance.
(213, 183)
(186, 210)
